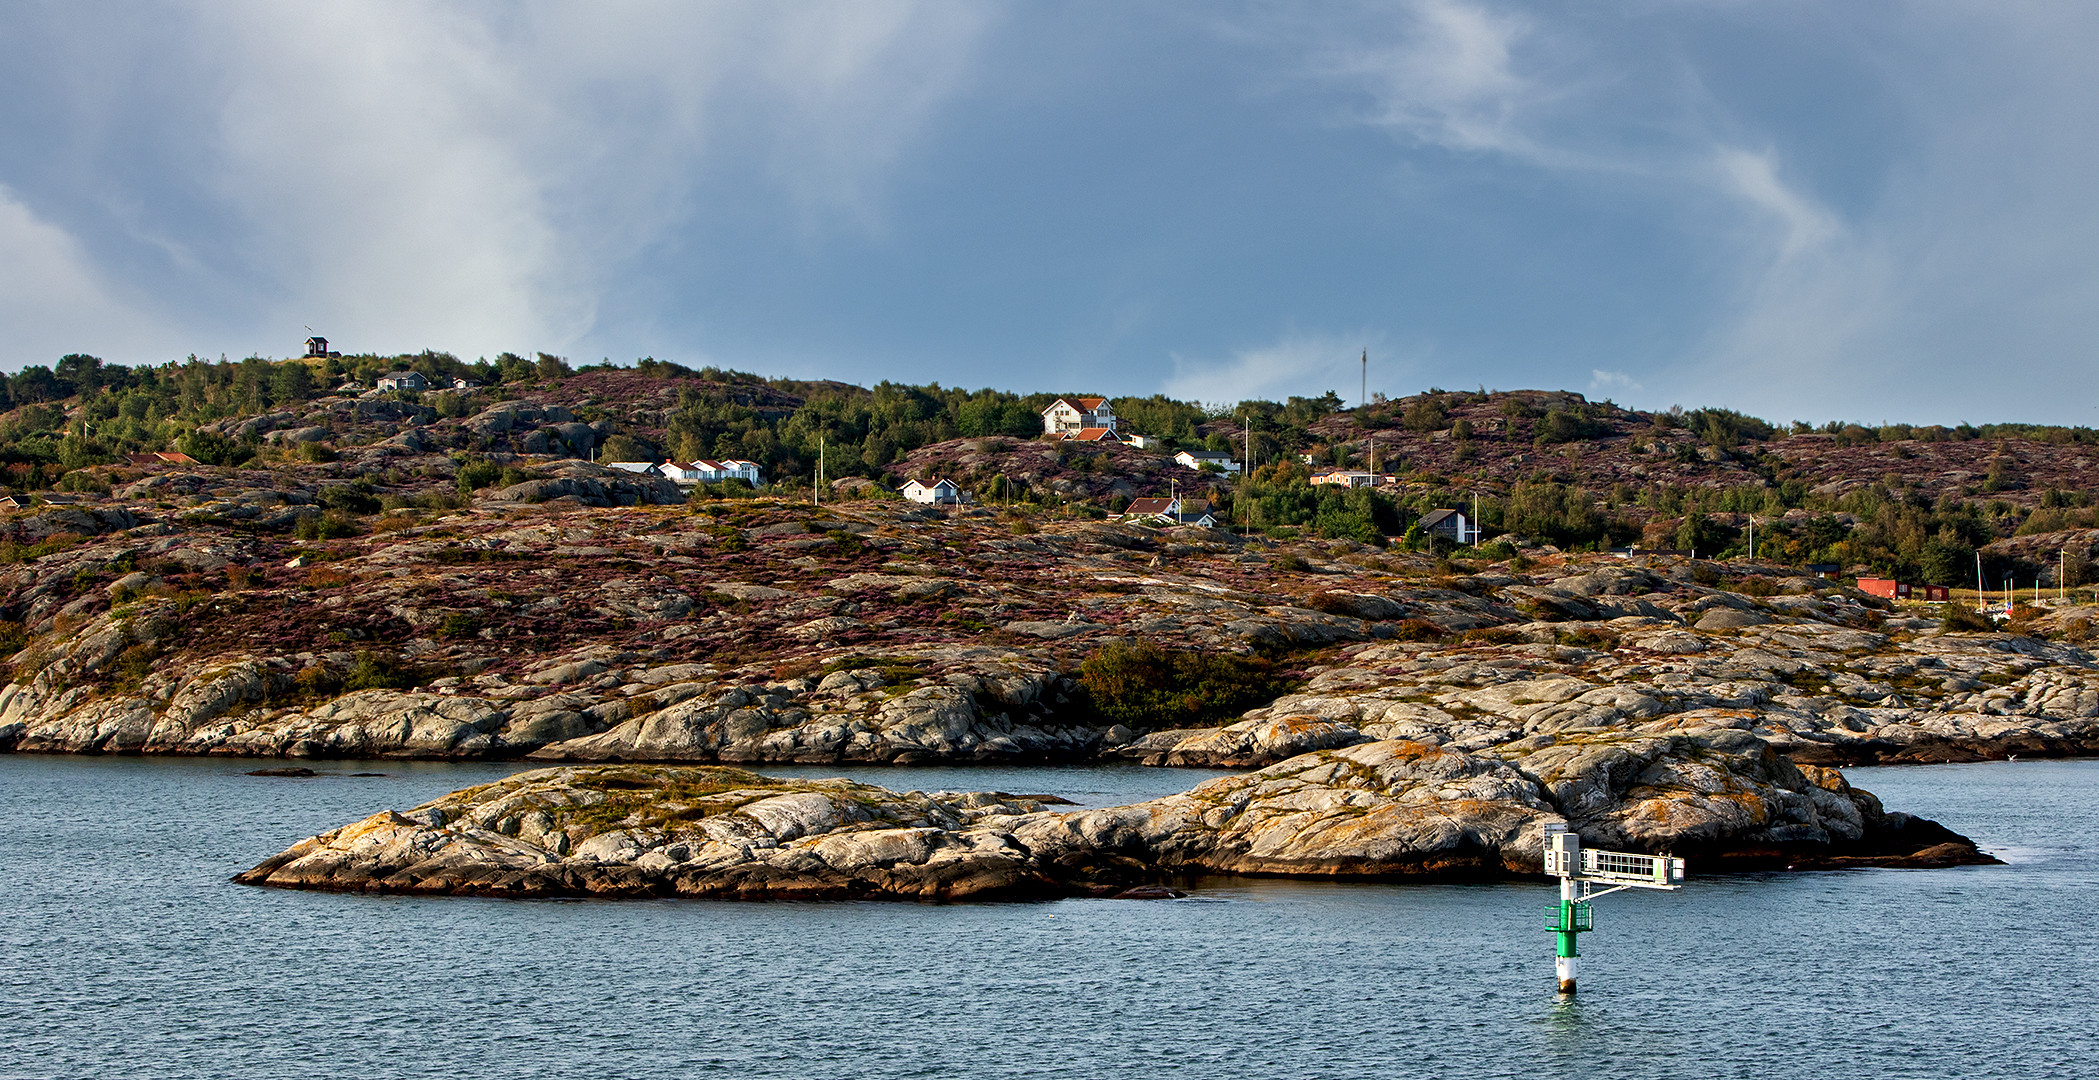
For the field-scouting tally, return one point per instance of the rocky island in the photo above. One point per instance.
(446, 576)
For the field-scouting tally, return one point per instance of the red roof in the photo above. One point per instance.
(1095, 434)
(1150, 506)
(1083, 404)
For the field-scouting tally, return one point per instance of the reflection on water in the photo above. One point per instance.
(124, 951)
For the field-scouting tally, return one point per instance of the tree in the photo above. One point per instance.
(1701, 533)
(1426, 414)
(79, 372)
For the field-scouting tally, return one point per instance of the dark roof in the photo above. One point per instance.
(1436, 517)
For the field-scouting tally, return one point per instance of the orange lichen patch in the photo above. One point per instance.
(385, 820)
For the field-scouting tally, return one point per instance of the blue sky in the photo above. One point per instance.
(1870, 211)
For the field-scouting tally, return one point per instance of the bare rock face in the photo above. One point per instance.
(1382, 810)
(624, 831)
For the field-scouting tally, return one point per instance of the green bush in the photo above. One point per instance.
(1144, 686)
(354, 498)
(375, 672)
(477, 473)
(332, 525)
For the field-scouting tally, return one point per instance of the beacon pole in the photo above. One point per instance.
(1580, 870)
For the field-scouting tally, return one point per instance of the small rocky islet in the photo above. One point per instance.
(1385, 810)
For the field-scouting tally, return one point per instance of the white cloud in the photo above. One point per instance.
(1296, 366)
(1449, 78)
(1753, 178)
(472, 177)
(1612, 382)
(52, 301)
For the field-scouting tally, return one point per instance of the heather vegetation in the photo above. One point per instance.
(1917, 502)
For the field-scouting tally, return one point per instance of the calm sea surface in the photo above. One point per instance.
(125, 952)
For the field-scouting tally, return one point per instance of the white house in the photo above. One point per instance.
(1196, 459)
(403, 380)
(1451, 523)
(714, 472)
(1069, 416)
(1171, 511)
(937, 493)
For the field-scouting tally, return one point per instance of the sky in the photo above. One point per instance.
(1865, 211)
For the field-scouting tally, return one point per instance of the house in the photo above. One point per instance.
(465, 384)
(1141, 442)
(937, 493)
(714, 472)
(1896, 590)
(1352, 478)
(646, 468)
(1068, 416)
(1196, 459)
(403, 380)
(681, 475)
(317, 349)
(16, 500)
(1174, 511)
(1093, 434)
(164, 457)
(1450, 523)
(1825, 569)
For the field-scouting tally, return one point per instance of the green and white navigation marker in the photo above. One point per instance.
(1580, 871)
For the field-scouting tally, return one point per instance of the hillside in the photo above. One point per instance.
(446, 575)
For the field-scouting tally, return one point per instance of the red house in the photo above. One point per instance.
(1896, 590)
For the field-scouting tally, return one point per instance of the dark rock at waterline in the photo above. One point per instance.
(291, 771)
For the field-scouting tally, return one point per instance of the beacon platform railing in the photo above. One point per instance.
(1624, 867)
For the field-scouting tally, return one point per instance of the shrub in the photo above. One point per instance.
(354, 498)
(317, 681)
(1492, 635)
(1959, 619)
(1291, 563)
(477, 473)
(329, 526)
(1145, 686)
(1588, 638)
(1332, 603)
(316, 452)
(1416, 630)
(375, 672)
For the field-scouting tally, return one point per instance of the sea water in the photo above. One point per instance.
(125, 951)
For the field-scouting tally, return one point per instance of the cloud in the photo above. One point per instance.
(1753, 178)
(1296, 366)
(1448, 79)
(473, 177)
(1613, 382)
(52, 300)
